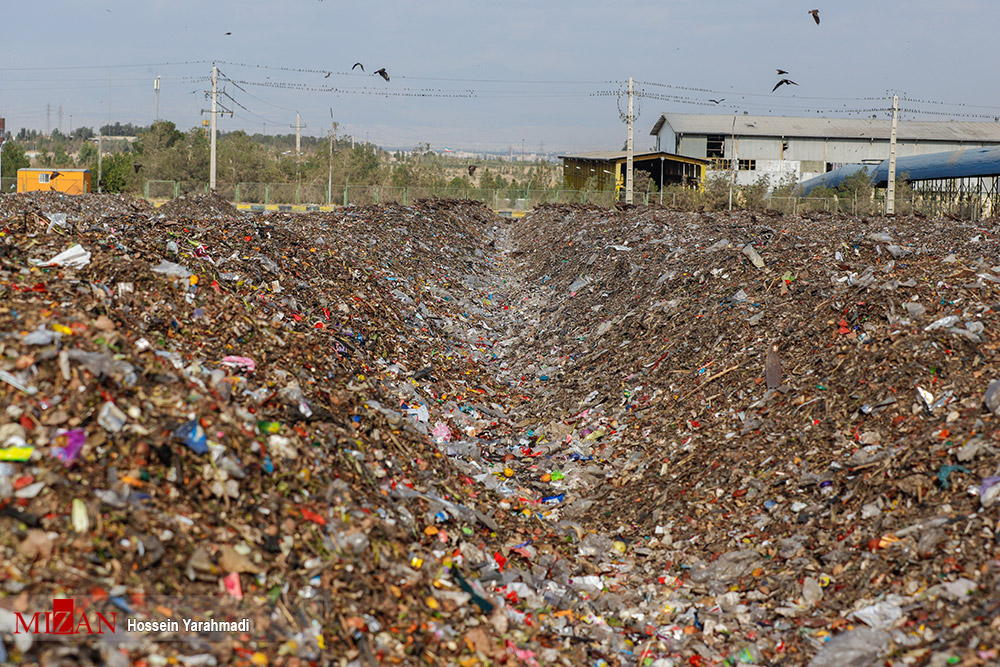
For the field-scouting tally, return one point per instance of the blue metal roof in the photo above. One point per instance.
(963, 163)
(832, 179)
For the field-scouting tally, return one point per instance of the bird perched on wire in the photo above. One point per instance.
(382, 73)
(783, 82)
(472, 169)
(782, 71)
(815, 15)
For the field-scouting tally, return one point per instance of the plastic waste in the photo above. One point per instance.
(243, 363)
(860, 647)
(75, 257)
(172, 270)
(752, 254)
(193, 435)
(81, 522)
(111, 417)
(68, 444)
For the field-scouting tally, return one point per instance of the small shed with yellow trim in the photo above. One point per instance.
(607, 169)
(69, 181)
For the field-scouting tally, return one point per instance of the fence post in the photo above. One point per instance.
(177, 189)
(405, 200)
(237, 195)
(145, 189)
(376, 194)
(267, 193)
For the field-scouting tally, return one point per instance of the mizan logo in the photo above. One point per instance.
(63, 620)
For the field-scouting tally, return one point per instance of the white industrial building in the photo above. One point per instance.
(802, 148)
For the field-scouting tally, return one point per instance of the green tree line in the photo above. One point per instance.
(165, 153)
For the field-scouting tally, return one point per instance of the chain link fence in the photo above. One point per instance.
(931, 204)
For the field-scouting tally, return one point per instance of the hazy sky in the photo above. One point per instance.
(479, 75)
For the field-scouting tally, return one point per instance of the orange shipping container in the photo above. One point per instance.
(70, 181)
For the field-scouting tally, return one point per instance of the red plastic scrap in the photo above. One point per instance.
(309, 515)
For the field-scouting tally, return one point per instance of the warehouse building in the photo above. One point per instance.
(783, 147)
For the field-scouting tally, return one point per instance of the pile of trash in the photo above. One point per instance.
(429, 435)
(85, 209)
(199, 207)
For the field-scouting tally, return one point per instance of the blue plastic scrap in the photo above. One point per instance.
(193, 435)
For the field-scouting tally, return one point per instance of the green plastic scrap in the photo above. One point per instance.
(947, 470)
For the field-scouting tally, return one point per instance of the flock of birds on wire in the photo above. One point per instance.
(784, 81)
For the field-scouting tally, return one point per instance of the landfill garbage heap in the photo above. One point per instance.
(429, 435)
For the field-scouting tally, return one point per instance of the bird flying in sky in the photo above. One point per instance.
(782, 71)
(358, 65)
(382, 73)
(815, 15)
(718, 100)
(783, 82)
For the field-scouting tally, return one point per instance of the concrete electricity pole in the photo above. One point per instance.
(215, 109)
(100, 154)
(628, 148)
(734, 163)
(3, 141)
(156, 87)
(329, 184)
(890, 190)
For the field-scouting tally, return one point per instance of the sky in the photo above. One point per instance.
(502, 75)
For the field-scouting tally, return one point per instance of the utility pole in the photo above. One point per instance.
(3, 140)
(890, 191)
(100, 152)
(734, 163)
(60, 118)
(298, 151)
(628, 148)
(156, 87)
(215, 95)
(48, 119)
(329, 184)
